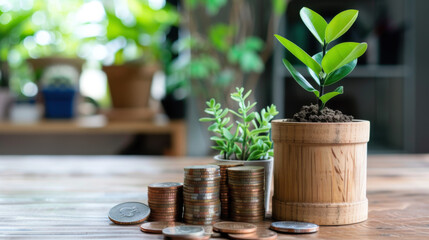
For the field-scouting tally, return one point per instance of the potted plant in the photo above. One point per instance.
(136, 49)
(321, 154)
(248, 140)
(59, 88)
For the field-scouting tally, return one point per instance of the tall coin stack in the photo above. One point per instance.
(201, 194)
(165, 201)
(224, 195)
(246, 189)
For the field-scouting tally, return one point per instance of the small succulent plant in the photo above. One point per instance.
(249, 138)
(330, 65)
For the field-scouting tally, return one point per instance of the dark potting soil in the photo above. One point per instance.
(311, 114)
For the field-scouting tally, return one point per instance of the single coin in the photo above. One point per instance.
(262, 234)
(227, 164)
(129, 213)
(166, 185)
(202, 168)
(157, 227)
(204, 237)
(183, 231)
(234, 227)
(246, 168)
(294, 227)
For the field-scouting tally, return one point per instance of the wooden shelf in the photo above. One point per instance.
(99, 125)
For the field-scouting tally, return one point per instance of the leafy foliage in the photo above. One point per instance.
(328, 66)
(234, 55)
(250, 138)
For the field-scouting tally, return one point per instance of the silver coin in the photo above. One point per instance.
(294, 227)
(129, 213)
(165, 185)
(183, 231)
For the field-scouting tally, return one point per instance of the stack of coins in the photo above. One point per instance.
(201, 194)
(224, 195)
(246, 189)
(165, 201)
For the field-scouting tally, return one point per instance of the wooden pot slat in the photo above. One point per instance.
(320, 172)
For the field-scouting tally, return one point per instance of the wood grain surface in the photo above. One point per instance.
(320, 172)
(69, 197)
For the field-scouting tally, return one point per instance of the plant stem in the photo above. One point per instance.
(322, 79)
(243, 145)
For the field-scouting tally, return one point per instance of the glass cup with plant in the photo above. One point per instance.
(247, 139)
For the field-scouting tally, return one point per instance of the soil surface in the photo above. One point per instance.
(311, 114)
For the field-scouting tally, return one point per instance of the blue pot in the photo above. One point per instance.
(59, 102)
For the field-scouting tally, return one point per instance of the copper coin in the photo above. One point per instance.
(156, 227)
(234, 227)
(129, 213)
(294, 227)
(262, 234)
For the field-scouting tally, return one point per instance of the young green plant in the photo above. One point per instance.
(249, 138)
(328, 66)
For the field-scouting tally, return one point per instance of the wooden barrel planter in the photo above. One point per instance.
(320, 171)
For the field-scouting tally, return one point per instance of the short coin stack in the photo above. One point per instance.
(224, 195)
(165, 201)
(246, 189)
(201, 194)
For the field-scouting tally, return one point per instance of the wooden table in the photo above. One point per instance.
(69, 197)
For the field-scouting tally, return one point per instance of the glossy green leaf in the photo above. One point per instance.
(342, 54)
(336, 75)
(299, 78)
(340, 73)
(206, 119)
(300, 54)
(315, 23)
(318, 58)
(227, 134)
(213, 127)
(340, 24)
(328, 96)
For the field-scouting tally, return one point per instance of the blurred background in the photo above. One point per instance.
(132, 76)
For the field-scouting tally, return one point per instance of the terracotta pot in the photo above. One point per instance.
(320, 172)
(268, 165)
(130, 84)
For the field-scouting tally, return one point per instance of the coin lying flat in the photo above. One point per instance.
(172, 185)
(294, 227)
(262, 234)
(183, 231)
(234, 227)
(157, 227)
(129, 213)
(204, 237)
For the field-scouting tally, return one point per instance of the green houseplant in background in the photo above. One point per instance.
(247, 141)
(321, 150)
(12, 31)
(137, 31)
(222, 50)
